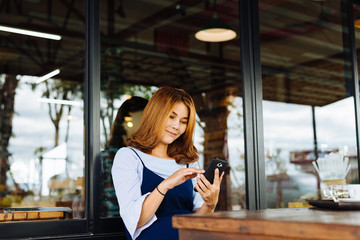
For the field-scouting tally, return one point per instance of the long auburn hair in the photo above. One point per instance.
(153, 124)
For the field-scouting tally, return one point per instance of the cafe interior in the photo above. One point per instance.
(275, 85)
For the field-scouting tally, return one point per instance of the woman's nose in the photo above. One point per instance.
(176, 125)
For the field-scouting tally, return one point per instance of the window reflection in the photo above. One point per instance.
(307, 96)
(126, 122)
(143, 50)
(41, 120)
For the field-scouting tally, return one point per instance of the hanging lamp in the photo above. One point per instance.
(215, 31)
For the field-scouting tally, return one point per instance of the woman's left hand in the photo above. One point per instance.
(209, 192)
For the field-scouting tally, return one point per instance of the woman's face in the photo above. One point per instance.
(176, 124)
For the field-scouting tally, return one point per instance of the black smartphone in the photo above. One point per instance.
(210, 170)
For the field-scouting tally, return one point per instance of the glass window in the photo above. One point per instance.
(41, 101)
(308, 105)
(146, 45)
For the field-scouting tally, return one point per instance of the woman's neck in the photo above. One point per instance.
(160, 151)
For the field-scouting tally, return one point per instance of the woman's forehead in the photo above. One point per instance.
(180, 109)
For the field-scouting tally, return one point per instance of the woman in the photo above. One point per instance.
(119, 133)
(154, 177)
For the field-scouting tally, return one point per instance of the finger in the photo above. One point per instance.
(184, 172)
(191, 171)
(190, 176)
(204, 181)
(198, 188)
(219, 180)
(194, 175)
(222, 175)
(201, 192)
(216, 176)
(195, 170)
(201, 184)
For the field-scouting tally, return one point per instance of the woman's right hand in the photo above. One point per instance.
(179, 177)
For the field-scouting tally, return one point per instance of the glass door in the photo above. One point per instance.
(307, 96)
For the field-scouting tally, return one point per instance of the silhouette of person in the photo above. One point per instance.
(126, 122)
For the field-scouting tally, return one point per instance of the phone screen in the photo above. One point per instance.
(210, 170)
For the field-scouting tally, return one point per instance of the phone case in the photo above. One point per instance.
(210, 170)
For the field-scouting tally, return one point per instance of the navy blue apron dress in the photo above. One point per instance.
(178, 200)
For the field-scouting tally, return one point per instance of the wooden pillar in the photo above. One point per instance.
(213, 111)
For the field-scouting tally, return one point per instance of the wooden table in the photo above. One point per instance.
(270, 224)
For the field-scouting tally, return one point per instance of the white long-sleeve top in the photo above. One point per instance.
(127, 173)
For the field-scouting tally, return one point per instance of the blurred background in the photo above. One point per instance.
(308, 101)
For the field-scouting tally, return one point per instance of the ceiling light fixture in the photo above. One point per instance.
(215, 31)
(127, 118)
(47, 76)
(58, 101)
(29, 33)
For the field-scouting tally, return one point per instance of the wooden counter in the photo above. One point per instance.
(270, 224)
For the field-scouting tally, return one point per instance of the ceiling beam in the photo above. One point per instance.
(154, 19)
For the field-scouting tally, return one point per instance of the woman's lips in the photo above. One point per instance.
(173, 134)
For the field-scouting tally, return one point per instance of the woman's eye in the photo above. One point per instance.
(172, 117)
(185, 122)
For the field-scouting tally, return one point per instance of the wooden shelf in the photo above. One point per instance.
(22, 214)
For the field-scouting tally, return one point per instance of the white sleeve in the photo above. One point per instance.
(197, 199)
(127, 177)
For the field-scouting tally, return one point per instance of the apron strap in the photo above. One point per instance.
(138, 157)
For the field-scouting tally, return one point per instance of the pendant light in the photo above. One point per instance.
(215, 31)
